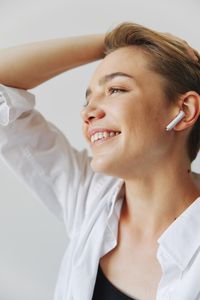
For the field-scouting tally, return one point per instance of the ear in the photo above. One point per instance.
(190, 104)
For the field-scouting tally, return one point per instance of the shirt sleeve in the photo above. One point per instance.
(39, 153)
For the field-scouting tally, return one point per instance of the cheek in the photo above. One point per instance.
(143, 127)
(137, 118)
(151, 117)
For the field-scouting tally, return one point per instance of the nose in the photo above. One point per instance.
(91, 112)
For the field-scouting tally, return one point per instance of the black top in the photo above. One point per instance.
(105, 290)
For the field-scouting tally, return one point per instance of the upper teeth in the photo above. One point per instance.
(100, 135)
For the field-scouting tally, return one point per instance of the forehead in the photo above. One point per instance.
(130, 60)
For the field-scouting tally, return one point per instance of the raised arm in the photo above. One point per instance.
(28, 65)
(34, 148)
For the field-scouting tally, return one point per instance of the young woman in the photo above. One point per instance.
(132, 209)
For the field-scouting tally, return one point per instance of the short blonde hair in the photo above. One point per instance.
(170, 59)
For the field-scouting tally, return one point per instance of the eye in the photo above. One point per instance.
(114, 90)
(111, 91)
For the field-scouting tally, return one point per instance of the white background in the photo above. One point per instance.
(32, 241)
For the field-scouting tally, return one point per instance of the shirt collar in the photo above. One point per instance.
(181, 239)
(118, 194)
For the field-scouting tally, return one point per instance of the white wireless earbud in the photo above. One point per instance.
(179, 117)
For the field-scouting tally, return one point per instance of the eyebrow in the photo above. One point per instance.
(108, 78)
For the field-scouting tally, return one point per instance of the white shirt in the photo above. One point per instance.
(89, 203)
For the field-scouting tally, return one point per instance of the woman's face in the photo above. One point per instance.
(125, 96)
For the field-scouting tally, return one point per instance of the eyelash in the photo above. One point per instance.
(115, 89)
(110, 90)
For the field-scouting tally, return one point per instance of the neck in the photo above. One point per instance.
(153, 202)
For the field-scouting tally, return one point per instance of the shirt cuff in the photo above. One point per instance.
(14, 102)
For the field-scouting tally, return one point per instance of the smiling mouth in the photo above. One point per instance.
(104, 139)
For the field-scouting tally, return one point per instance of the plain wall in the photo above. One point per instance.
(32, 240)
